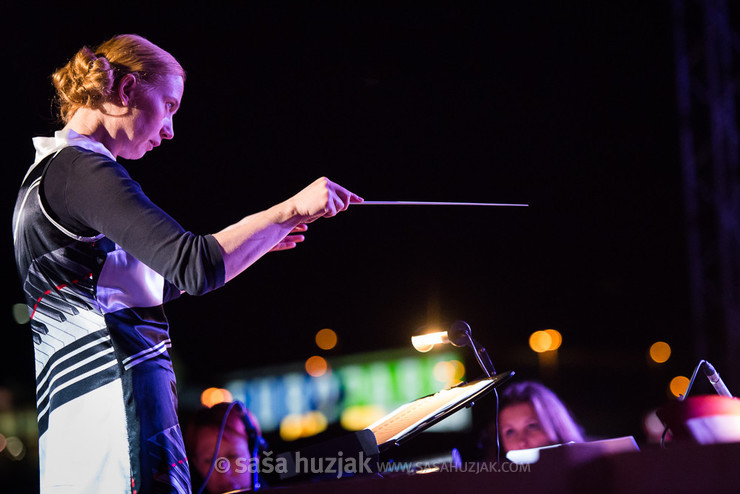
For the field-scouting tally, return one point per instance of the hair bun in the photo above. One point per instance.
(91, 77)
(86, 80)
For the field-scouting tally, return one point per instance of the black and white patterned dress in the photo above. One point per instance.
(97, 261)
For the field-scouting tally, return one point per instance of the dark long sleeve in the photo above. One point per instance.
(90, 194)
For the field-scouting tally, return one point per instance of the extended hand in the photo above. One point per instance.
(323, 198)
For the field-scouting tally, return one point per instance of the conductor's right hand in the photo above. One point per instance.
(323, 198)
(279, 227)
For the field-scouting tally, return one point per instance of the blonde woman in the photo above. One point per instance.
(97, 260)
(531, 416)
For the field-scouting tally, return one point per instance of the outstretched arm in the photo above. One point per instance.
(246, 241)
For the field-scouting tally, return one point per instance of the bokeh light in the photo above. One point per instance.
(444, 372)
(556, 337)
(316, 366)
(326, 339)
(540, 341)
(295, 426)
(15, 448)
(313, 423)
(358, 417)
(678, 385)
(20, 313)
(449, 372)
(459, 370)
(291, 427)
(214, 396)
(660, 351)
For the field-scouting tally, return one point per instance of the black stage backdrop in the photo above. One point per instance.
(569, 107)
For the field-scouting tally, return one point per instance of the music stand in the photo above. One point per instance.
(398, 426)
(412, 418)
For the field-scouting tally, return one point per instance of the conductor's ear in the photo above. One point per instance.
(126, 89)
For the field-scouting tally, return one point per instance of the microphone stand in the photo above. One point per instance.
(460, 335)
(713, 377)
(481, 355)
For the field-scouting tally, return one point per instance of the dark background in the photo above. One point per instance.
(569, 107)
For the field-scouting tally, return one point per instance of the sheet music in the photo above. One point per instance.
(406, 417)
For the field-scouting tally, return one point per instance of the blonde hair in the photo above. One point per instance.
(90, 78)
(554, 416)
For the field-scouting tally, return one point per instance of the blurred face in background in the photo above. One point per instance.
(232, 470)
(521, 428)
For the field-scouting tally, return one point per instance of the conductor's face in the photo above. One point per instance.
(150, 120)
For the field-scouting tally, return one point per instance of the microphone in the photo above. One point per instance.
(715, 380)
(459, 333)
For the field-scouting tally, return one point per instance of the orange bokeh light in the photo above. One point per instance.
(316, 366)
(678, 385)
(326, 339)
(660, 351)
(214, 396)
(540, 341)
(556, 337)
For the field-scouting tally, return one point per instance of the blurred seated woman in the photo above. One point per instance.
(221, 442)
(532, 416)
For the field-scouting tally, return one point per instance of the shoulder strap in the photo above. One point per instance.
(42, 166)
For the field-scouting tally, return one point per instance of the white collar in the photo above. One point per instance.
(65, 138)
